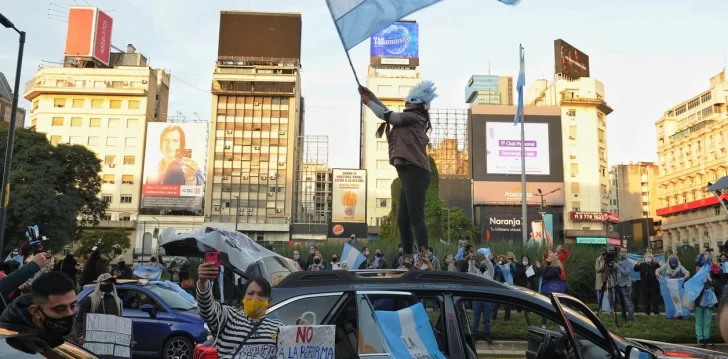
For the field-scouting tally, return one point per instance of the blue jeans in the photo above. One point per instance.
(481, 309)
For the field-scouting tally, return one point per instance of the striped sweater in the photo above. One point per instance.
(236, 326)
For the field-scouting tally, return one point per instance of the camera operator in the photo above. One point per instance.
(624, 268)
(605, 282)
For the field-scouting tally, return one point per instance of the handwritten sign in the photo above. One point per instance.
(257, 351)
(306, 342)
(108, 336)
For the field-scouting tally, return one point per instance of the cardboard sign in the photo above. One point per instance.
(108, 336)
(309, 341)
(257, 351)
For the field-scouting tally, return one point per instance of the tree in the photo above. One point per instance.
(111, 242)
(50, 186)
(460, 225)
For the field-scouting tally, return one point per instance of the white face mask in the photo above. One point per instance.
(648, 259)
(525, 263)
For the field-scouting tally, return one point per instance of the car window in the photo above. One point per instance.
(276, 269)
(174, 300)
(370, 339)
(318, 305)
(21, 347)
(134, 299)
(434, 307)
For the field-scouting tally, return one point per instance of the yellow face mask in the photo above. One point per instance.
(254, 308)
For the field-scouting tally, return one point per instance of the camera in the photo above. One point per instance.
(610, 256)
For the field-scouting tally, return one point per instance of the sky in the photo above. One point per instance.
(650, 54)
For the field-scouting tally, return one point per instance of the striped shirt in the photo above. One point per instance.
(236, 326)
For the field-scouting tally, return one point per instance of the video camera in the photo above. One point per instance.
(610, 256)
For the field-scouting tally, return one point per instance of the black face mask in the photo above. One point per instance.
(106, 288)
(334, 259)
(316, 261)
(379, 255)
(122, 264)
(153, 260)
(58, 326)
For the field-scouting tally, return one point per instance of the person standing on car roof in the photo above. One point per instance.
(103, 300)
(407, 138)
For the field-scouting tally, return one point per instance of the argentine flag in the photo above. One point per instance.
(695, 285)
(352, 256)
(519, 88)
(151, 273)
(408, 333)
(672, 294)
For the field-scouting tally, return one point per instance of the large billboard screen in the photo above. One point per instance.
(569, 61)
(499, 223)
(174, 166)
(349, 194)
(503, 148)
(89, 34)
(261, 35)
(401, 39)
(510, 193)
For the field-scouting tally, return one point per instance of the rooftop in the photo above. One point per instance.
(6, 91)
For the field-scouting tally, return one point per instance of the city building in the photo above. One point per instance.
(255, 122)
(106, 109)
(633, 190)
(489, 90)
(691, 149)
(6, 104)
(312, 189)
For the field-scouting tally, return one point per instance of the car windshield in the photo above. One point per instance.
(173, 299)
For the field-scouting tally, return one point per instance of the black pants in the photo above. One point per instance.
(414, 182)
(636, 293)
(652, 298)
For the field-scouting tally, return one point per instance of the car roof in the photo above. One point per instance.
(122, 282)
(355, 279)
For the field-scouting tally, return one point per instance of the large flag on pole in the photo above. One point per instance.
(519, 87)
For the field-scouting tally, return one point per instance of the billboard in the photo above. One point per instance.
(503, 148)
(401, 39)
(569, 61)
(89, 34)
(262, 35)
(594, 217)
(507, 226)
(174, 166)
(349, 194)
(509, 193)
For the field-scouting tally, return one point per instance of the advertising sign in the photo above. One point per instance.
(400, 39)
(509, 193)
(174, 166)
(311, 341)
(507, 226)
(89, 34)
(569, 61)
(594, 217)
(349, 196)
(102, 37)
(503, 148)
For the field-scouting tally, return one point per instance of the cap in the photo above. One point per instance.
(106, 277)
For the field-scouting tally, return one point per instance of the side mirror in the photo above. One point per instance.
(637, 353)
(149, 309)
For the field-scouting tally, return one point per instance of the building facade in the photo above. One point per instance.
(691, 148)
(6, 104)
(313, 186)
(106, 110)
(584, 114)
(633, 190)
(255, 122)
(489, 90)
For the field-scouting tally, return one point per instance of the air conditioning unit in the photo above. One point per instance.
(245, 177)
(250, 210)
(227, 147)
(256, 103)
(282, 133)
(250, 214)
(572, 137)
(216, 208)
(270, 194)
(273, 177)
(144, 82)
(257, 148)
(572, 157)
(281, 163)
(224, 177)
(573, 175)
(230, 159)
(278, 210)
(229, 132)
(576, 195)
(126, 83)
(263, 177)
(111, 165)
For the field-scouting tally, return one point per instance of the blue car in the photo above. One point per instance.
(165, 323)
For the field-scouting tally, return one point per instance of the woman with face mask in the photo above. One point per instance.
(649, 285)
(317, 264)
(103, 300)
(503, 274)
(720, 279)
(551, 281)
(672, 269)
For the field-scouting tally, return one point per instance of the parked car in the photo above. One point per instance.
(23, 342)
(165, 324)
(347, 299)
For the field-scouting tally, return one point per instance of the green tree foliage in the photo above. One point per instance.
(53, 187)
(111, 242)
(461, 226)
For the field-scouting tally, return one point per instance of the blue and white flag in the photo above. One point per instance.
(672, 293)
(519, 88)
(352, 256)
(145, 272)
(408, 333)
(176, 288)
(724, 267)
(660, 258)
(695, 285)
(459, 255)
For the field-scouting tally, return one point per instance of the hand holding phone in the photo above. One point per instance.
(183, 153)
(213, 257)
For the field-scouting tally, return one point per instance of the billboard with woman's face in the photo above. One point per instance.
(173, 166)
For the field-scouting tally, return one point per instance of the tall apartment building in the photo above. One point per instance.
(255, 122)
(633, 190)
(6, 104)
(312, 189)
(691, 148)
(583, 124)
(489, 90)
(107, 110)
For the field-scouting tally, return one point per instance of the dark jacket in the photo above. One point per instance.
(125, 272)
(551, 273)
(10, 283)
(68, 266)
(91, 271)
(647, 274)
(521, 279)
(409, 140)
(107, 306)
(17, 313)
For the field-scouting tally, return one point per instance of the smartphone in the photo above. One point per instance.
(537, 229)
(183, 153)
(213, 256)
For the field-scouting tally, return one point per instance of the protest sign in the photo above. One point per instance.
(257, 351)
(304, 342)
(108, 336)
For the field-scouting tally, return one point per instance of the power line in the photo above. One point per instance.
(190, 85)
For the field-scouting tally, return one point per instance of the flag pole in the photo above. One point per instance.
(524, 199)
(352, 66)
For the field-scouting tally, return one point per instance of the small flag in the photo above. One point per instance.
(145, 272)
(408, 333)
(352, 256)
(519, 87)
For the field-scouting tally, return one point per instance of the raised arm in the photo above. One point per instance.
(212, 312)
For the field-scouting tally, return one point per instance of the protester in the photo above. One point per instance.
(481, 308)
(520, 274)
(155, 261)
(335, 264)
(234, 330)
(723, 316)
(604, 284)
(562, 254)
(51, 306)
(321, 255)
(12, 281)
(551, 281)
(50, 261)
(379, 261)
(450, 265)
(650, 287)
(720, 279)
(436, 266)
(91, 270)
(317, 265)
(297, 258)
(398, 258)
(103, 300)
(312, 252)
(368, 262)
(703, 311)
(704, 258)
(70, 267)
(122, 270)
(624, 268)
(503, 274)
(407, 137)
(672, 269)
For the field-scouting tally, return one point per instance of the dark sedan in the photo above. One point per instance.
(21, 342)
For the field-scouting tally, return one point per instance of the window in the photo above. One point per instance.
(78, 103)
(113, 122)
(576, 206)
(109, 160)
(115, 104)
(319, 305)
(56, 140)
(126, 217)
(572, 132)
(125, 198)
(383, 202)
(106, 217)
(59, 102)
(57, 121)
(575, 187)
(75, 140)
(129, 160)
(383, 183)
(132, 123)
(97, 103)
(384, 89)
(106, 198)
(133, 104)
(76, 122)
(94, 122)
(94, 141)
(571, 112)
(127, 179)
(382, 164)
(112, 141)
(602, 135)
(574, 169)
(109, 179)
(131, 142)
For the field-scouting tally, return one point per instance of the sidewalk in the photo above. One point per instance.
(517, 348)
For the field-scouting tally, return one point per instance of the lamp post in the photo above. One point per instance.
(5, 189)
(237, 211)
(543, 210)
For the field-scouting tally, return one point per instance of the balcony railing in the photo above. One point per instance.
(579, 100)
(69, 84)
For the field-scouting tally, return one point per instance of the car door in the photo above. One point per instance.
(370, 341)
(148, 331)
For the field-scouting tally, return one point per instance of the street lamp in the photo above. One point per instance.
(543, 210)
(5, 189)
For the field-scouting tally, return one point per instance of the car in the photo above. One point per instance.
(165, 324)
(22, 342)
(348, 299)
